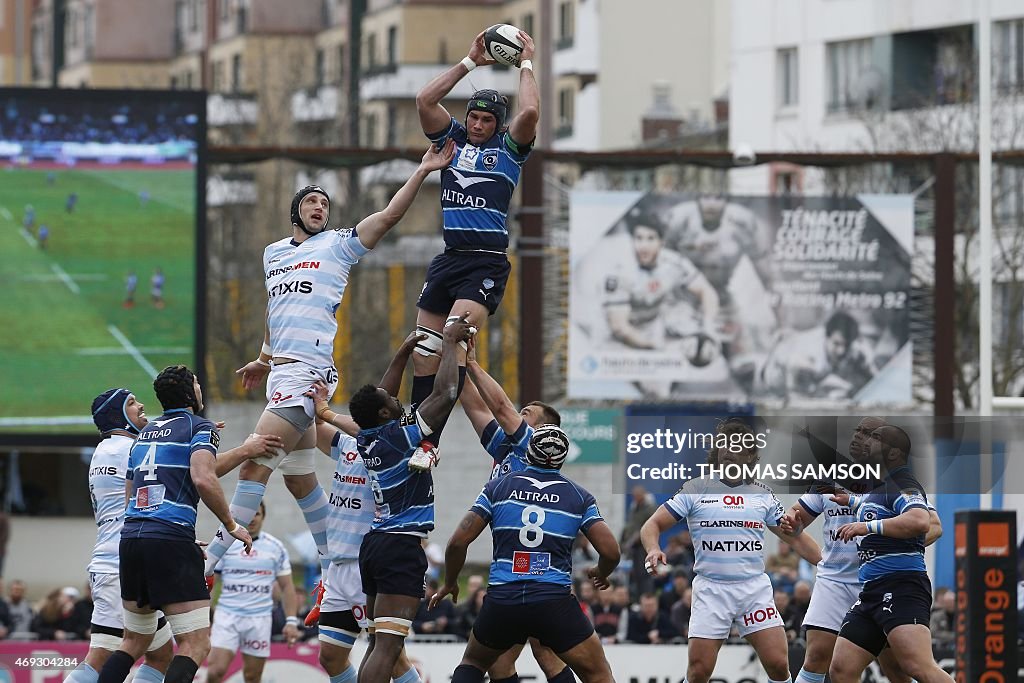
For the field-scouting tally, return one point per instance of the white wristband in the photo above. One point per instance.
(263, 362)
(468, 63)
(292, 621)
(526, 64)
(266, 349)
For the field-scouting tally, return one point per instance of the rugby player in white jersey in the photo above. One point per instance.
(727, 520)
(343, 611)
(120, 417)
(837, 585)
(244, 614)
(306, 276)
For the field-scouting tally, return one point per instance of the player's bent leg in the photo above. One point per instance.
(252, 668)
(393, 615)
(891, 667)
(139, 627)
(555, 670)
(505, 666)
(772, 649)
(702, 655)
(217, 664)
(158, 656)
(849, 661)
(190, 625)
(912, 644)
(588, 661)
(818, 656)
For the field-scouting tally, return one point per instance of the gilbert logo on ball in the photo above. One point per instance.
(502, 44)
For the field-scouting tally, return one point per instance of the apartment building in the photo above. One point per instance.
(850, 74)
(15, 29)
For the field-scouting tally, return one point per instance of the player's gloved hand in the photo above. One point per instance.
(242, 534)
(655, 558)
(600, 582)
(253, 373)
(443, 592)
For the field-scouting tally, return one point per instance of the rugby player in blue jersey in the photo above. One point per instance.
(535, 515)
(392, 563)
(894, 606)
(476, 190)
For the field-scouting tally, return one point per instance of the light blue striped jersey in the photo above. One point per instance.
(507, 450)
(883, 555)
(477, 188)
(164, 499)
(106, 488)
(247, 587)
(305, 283)
(535, 516)
(727, 525)
(404, 500)
(351, 501)
(839, 561)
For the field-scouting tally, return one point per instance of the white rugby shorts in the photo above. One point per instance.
(830, 601)
(344, 591)
(718, 605)
(234, 632)
(108, 610)
(287, 383)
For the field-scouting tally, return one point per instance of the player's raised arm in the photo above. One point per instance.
(391, 382)
(372, 228)
(255, 446)
(474, 406)
(523, 128)
(497, 401)
(433, 117)
(436, 407)
(202, 468)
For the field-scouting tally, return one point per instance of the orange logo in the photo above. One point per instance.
(994, 539)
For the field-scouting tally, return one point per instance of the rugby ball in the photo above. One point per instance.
(502, 44)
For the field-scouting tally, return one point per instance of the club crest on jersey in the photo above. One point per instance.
(487, 283)
(490, 160)
(530, 563)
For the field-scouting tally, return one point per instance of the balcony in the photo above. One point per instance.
(577, 54)
(405, 80)
(232, 109)
(315, 104)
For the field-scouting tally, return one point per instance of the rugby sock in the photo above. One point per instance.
(117, 667)
(806, 676)
(514, 678)
(410, 676)
(466, 673)
(563, 676)
(244, 504)
(315, 508)
(181, 670)
(346, 676)
(788, 680)
(83, 674)
(421, 388)
(147, 674)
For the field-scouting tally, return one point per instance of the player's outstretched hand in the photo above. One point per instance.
(478, 52)
(788, 524)
(252, 374)
(848, 532)
(528, 46)
(600, 582)
(435, 159)
(459, 330)
(410, 343)
(242, 534)
(840, 496)
(654, 558)
(220, 424)
(317, 391)
(262, 446)
(291, 634)
(443, 592)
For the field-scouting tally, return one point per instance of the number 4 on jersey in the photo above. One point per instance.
(148, 464)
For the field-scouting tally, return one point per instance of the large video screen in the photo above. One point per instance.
(100, 227)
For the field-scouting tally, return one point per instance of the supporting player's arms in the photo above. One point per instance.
(391, 382)
(254, 447)
(603, 540)
(471, 526)
(497, 401)
(934, 528)
(433, 117)
(436, 407)
(805, 546)
(202, 468)
(328, 422)
(650, 535)
(473, 404)
(910, 524)
(372, 228)
(523, 128)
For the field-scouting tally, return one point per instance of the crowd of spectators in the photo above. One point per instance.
(27, 119)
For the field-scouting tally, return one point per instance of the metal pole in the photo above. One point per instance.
(944, 332)
(531, 281)
(985, 251)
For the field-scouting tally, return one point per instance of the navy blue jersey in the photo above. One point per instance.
(883, 555)
(164, 499)
(535, 516)
(508, 450)
(404, 499)
(477, 187)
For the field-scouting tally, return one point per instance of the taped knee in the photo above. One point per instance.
(104, 641)
(163, 635)
(140, 623)
(392, 625)
(189, 621)
(431, 346)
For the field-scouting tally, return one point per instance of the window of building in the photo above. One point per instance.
(370, 130)
(392, 45)
(340, 65)
(193, 15)
(846, 64)
(188, 80)
(787, 77)
(392, 131)
(371, 51)
(319, 68)
(218, 76)
(566, 110)
(566, 24)
(1008, 54)
(236, 73)
(1008, 193)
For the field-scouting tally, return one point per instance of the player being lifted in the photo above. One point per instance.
(171, 466)
(120, 417)
(727, 520)
(535, 515)
(837, 584)
(244, 615)
(476, 189)
(392, 563)
(343, 612)
(306, 277)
